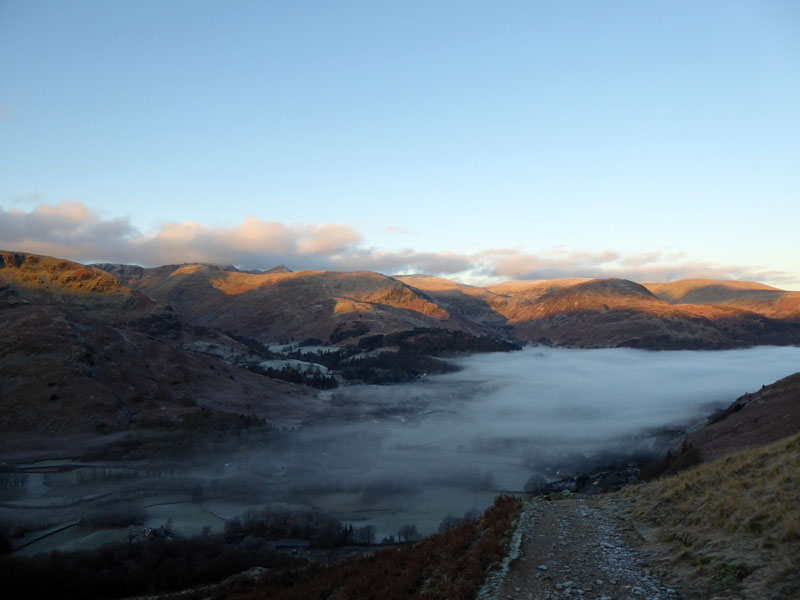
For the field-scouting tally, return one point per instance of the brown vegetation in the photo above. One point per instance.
(450, 565)
(732, 526)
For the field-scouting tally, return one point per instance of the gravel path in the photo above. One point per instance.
(570, 549)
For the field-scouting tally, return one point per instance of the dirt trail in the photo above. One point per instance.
(571, 549)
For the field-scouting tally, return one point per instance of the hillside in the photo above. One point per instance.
(331, 306)
(84, 354)
(730, 528)
(751, 421)
(568, 312)
(745, 295)
(615, 312)
(95, 352)
(273, 306)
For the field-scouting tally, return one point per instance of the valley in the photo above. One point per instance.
(387, 456)
(350, 411)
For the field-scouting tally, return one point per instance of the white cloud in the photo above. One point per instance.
(72, 230)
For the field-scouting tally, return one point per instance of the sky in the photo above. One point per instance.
(480, 141)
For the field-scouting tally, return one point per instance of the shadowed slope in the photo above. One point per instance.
(475, 303)
(753, 420)
(82, 352)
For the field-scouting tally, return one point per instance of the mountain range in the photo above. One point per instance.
(109, 347)
(118, 361)
(587, 313)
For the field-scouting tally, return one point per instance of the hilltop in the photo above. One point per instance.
(585, 313)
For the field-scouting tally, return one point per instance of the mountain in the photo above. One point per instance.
(480, 305)
(270, 306)
(334, 306)
(84, 353)
(616, 312)
(745, 295)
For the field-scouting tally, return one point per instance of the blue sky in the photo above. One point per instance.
(651, 140)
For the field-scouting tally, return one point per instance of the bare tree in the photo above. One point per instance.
(408, 533)
(366, 534)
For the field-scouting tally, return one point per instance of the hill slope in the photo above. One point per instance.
(568, 312)
(282, 305)
(332, 306)
(745, 295)
(84, 353)
(731, 527)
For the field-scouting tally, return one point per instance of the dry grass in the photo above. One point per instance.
(732, 526)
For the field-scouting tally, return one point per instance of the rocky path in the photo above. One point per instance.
(571, 549)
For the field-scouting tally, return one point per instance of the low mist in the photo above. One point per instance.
(411, 454)
(450, 442)
(581, 398)
(513, 413)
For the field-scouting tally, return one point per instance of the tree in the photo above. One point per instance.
(449, 522)
(408, 533)
(365, 534)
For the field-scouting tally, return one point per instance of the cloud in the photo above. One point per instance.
(405, 261)
(67, 229)
(72, 230)
(645, 266)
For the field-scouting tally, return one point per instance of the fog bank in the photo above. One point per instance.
(578, 396)
(412, 453)
(506, 416)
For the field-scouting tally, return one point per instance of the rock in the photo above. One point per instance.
(542, 567)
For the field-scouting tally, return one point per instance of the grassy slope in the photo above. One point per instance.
(732, 526)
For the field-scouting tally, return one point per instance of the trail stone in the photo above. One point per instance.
(577, 548)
